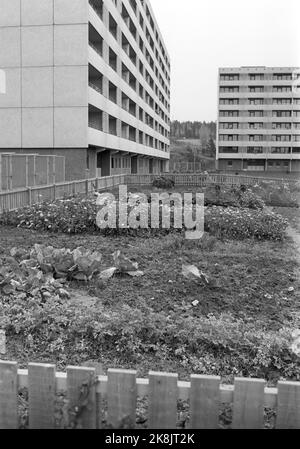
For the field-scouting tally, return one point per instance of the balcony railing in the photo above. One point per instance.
(97, 7)
(98, 49)
(96, 87)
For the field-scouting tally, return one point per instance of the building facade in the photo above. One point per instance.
(259, 119)
(88, 80)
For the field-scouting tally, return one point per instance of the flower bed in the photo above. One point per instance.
(78, 215)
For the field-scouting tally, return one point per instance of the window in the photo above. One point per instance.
(231, 101)
(255, 138)
(253, 89)
(112, 89)
(231, 89)
(281, 138)
(229, 77)
(113, 60)
(95, 40)
(280, 150)
(282, 76)
(254, 150)
(282, 89)
(112, 124)
(256, 101)
(282, 113)
(229, 125)
(113, 27)
(95, 118)
(281, 125)
(97, 5)
(95, 79)
(256, 76)
(229, 163)
(229, 137)
(229, 113)
(282, 101)
(258, 125)
(228, 149)
(256, 113)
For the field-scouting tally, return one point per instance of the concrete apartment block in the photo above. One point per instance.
(259, 119)
(88, 80)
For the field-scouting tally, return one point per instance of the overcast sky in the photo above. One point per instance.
(203, 35)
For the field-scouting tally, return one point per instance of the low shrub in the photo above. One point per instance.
(163, 183)
(276, 194)
(77, 216)
(244, 223)
(233, 197)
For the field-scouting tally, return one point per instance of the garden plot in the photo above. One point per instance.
(238, 317)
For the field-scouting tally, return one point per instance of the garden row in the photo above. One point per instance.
(77, 215)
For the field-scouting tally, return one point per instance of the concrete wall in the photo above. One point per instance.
(44, 54)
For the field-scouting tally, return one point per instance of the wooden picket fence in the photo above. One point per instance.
(15, 199)
(86, 392)
(203, 180)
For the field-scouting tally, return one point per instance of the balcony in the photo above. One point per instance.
(95, 118)
(95, 40)
(97, 6)
(95, 79)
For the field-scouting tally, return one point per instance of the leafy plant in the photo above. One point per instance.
(163, 183)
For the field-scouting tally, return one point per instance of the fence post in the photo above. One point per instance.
(10, 175)
(29, 196)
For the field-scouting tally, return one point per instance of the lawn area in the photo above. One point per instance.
(241, 325)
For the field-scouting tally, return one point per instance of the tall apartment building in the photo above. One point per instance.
(259, 119)
(88, 80)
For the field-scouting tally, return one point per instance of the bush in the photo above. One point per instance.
(77, 216)
(163, 183)
(250, 200)
(210, 345)
(278, 194)
(233, 197)
(244, 223)
(74, 215)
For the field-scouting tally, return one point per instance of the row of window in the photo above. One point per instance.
(277, 164)
(115, 94)
(260, 137)
(122, 129)
(261, 76)
(113, 28)
(259, 101)
(96, 42)
(274, 150)
(120, 162)
(258, 125)
(278, 89)
(152, 24)
(260, 114)
(132, 28)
